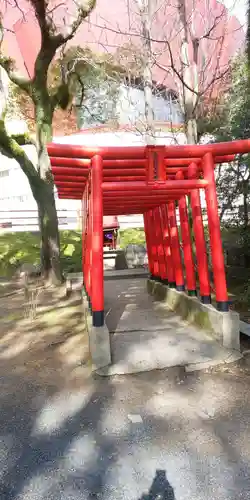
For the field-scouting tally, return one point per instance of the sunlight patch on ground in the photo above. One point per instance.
(58, 410)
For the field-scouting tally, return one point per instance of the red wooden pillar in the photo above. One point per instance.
(215, 235)
(160, 247)
(88, 258)
(187, 243)
(156, 269)
(167, 248)
(115, 239)
(83, 238)
(200, 242)
(97, 288)
(175, 247)
(159, 252)
(148, 243)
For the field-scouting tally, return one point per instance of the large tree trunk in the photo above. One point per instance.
(248, 41)
(145, 9)
(50, 242)
(189, 70)
(189, 97)
(43, 193)
(191, 130)
(245, 203)
(48, 221)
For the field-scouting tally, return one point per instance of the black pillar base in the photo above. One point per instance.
(153, 278)
(180, 288)
(98, 318)
(206, 299)
(158, 279)
(223, 306)
(164, 282)
(172, 284)
(192, 293)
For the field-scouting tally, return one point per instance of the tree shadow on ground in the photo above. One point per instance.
(64, 442)
(62, 436)
(40, 451)
(56, 339)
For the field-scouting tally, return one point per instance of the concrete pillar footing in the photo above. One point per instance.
(224, 326)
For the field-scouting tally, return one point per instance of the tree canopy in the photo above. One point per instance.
(233, 122)
(46, 93)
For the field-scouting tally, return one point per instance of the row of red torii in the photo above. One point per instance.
(151, 180)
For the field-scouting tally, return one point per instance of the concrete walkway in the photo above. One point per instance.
(145, 335)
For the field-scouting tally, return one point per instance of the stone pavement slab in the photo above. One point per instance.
(144, 335)
(125, 273)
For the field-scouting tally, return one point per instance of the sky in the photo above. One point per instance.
(237, 8)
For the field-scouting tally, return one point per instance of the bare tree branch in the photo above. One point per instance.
(20, 81)
(217, 20)
(176, 72)
(8, 65)
(11, 148)
(15, 3)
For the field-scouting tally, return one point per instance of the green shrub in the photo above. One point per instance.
(17, 248)
(132, 235)
(24, 247)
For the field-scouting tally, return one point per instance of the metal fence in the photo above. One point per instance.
(27, 220)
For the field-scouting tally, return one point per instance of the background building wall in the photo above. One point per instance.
(125, 106)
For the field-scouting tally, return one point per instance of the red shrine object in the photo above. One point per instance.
(110, 231)
(152, 180)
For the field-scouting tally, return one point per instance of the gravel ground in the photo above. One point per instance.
(158, 435)
(66, 435)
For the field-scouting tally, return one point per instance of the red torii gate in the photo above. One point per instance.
(149, 180)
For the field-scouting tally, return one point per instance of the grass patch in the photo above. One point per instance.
(24, 247)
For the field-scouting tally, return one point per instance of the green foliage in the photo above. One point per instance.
(63, 96)
(128, 236)
(24, 247)
(229, 118)
(130, 57)
(71, 251)
(7, 63)
(94, 80)
(23, 139)
(234, 123)
(17, 248)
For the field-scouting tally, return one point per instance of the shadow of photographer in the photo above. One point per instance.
(160, 489)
